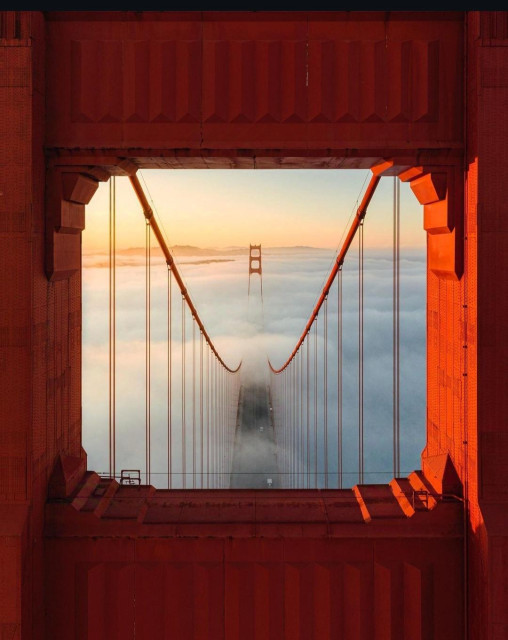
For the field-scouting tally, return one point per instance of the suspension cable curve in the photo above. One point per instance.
(148, 213)
(357, 220)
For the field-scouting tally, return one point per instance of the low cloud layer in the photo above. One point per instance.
(245, 329)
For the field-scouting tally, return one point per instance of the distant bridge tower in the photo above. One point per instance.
(255, 264)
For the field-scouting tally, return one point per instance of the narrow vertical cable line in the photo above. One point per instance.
(184, 447)
(221, 430)
(148, 355)
(201, 406)
(228, 425)
(219, 425)
(290, 425)
(315, 404)
(226, 428)
(284, 428)
(112, 327)
(224, 425)
(308, 412)
(214, 428)
(207, 416)
(170, 378)
(294, 432)
(360, 353)
(288, 419)
(193, 402)
(396, 327)
(325, 391)
(339, 380)
(297, 420)
(302, 434)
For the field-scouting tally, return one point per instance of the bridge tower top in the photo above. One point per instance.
(255, 265)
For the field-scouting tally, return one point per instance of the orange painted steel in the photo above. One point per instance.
(91, 94)
(357, 220)
(148, 213)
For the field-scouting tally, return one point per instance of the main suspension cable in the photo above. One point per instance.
(148, 213)
(357, 220)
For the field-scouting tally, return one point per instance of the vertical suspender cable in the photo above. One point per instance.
(226, 429)
(218, 422)
(193, 403)
(315, 405)
(148, 354)
(360, 353)
(294, 424)
(288, 427)
(396, 326)
(201, 406)
(170, 378)
(207, 416)
(298, 420)
(291, 424)
(325, 391)
(184, 447)
(339, 379)
(302, 425)
(221, 430)
(214, 423)
(112, 327)
(308, 412)
(284, 428)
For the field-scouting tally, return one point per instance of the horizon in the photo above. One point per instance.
(228, 209)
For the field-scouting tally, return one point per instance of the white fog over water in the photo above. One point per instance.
(292, 279)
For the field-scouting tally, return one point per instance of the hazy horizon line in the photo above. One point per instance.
(190, 250)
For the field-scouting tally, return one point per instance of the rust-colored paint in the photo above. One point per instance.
(88, 95)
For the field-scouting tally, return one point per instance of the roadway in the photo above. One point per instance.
(255, 459)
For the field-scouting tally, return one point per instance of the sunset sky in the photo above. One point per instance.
(220, 208)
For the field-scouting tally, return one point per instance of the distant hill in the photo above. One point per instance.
(190, 251)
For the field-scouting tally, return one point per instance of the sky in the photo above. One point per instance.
(292, 280)
(277, 208)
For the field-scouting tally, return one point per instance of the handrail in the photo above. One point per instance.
(150, 218)
(357, 220)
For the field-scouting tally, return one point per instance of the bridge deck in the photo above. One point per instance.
(255, 458)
